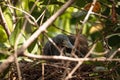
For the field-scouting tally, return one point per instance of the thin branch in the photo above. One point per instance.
(43, 57)
(23, 12)
(5, 23)
(89, 12)
(113, 54)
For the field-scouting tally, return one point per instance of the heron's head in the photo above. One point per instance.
(63, 40)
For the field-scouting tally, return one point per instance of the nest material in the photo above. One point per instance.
(53, 71)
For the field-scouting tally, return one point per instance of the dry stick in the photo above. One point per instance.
(80, 62)
(5, 23)
(41, 29)
(113, 54)
(44, 57)
(43, 69)
(42, 16)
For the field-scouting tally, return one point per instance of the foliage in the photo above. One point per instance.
(102, 28)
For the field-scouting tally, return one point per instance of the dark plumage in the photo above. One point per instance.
(61, 41)
(66, 42)
(82, 45)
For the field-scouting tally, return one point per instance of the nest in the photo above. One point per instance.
(54, 71)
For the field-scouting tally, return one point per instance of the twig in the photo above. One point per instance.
(23, 12)
(99, 15)
(89, 12)
(113, 54)
(43, 70)
(43, 57)
(33, 6)
(61, 29)
(5, 23)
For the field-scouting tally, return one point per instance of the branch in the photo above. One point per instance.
(44, 57)
(41, 29)
(5, 23)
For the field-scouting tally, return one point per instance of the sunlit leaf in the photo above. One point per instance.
(3, 35)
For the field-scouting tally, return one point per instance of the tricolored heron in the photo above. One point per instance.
(61, 41)
(66, 42)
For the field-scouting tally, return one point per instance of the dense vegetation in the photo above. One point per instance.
(26, 25)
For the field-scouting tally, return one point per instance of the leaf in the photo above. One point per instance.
(80, 15)
(33, 47)
(99, 47)
(3, 35)
(114, 40)
(8, 18)
(15, 33)
(96, 28)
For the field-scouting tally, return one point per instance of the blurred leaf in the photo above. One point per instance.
(2, 56)
(114, 40)
(80, 3)
(96, 28)
(33, 48)
(96, 36)
(99, 69)
(52, 2)
(15, 33)
(3, 35)
(8, 18)
(99, 47)
(77, 16)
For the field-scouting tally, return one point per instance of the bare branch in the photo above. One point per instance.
(5, 23)
(42, 57)
(113, 54)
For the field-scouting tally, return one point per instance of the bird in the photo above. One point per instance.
(82, 45)
(61, 41)
(66, 42)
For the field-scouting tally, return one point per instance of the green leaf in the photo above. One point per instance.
(15, 33)
(8, 18)
(99, 47)
(114, 40)
(3, 35)
(33, 47)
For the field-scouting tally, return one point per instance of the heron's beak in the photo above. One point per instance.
(68, 44)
